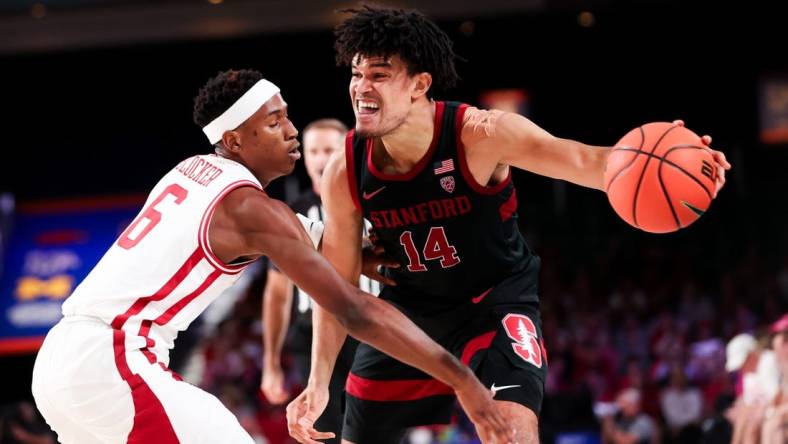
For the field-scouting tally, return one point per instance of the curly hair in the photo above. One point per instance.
(419, 42)
(220, 92)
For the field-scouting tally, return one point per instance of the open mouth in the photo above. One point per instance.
(367, 107)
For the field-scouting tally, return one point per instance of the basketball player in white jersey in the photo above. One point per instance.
(101, 375)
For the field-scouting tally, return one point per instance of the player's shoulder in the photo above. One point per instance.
(494, 128)
(248, 203)
(478, 122)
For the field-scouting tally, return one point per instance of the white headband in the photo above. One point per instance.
(241, 110)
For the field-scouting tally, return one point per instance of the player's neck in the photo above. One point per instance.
(406, 145)
(223, 153)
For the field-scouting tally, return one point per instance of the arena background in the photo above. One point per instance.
(97, 99)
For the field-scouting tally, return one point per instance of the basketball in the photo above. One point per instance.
(660, 177)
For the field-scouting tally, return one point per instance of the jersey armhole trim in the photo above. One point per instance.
(351, 171)
(205, 223)
(466, 172)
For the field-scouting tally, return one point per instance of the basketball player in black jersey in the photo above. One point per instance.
(434, 179)
(281, 298)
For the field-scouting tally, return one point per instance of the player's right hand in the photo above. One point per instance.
(273, 385)
(302, 413)
(478, 403)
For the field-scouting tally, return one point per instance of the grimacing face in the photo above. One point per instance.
(380, 90)
(319, 145)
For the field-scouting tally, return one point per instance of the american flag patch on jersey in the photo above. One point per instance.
(444, 167)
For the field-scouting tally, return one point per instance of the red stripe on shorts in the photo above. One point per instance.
(481, 342)
(398, 390)
(151, 423)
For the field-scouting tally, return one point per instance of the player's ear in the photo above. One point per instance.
(422, 84)
(231, 141)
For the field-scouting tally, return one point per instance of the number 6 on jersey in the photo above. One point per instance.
(150, 216)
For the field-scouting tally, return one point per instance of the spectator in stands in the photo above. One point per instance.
(757, 384)
(775, 416)
(630, 425)
(682, 406)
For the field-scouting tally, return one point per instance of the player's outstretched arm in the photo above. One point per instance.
(496, 138)
(248, 223)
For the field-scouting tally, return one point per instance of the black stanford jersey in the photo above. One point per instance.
(454, 238)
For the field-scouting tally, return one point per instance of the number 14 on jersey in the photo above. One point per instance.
(436, 247)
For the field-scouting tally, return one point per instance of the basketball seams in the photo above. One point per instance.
(673, 164)
(643, 173)
(667, 196)
(690, 175)
(627, 166)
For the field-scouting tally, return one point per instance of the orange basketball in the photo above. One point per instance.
(660, 177)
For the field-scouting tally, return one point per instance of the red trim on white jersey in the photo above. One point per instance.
(172, 311)
(165, 290)
(202, 236)
(466, 172)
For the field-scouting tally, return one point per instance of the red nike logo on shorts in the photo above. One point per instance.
(479, 298)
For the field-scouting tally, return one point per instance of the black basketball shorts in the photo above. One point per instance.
(498, 334)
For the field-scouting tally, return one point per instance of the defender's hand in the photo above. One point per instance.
(302, 413)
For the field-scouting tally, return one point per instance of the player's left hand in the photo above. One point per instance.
(374, 257)
(302, 413)
(719, 157)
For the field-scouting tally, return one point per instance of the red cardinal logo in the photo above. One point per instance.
(523, 331)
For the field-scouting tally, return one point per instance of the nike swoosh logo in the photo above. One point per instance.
(368, 196)
(479, 298)
(695, 210)
(495, 389)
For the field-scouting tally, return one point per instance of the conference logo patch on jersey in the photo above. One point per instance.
(522, 330)
(447, 183)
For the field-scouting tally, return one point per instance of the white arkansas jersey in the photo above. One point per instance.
(161, 273)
